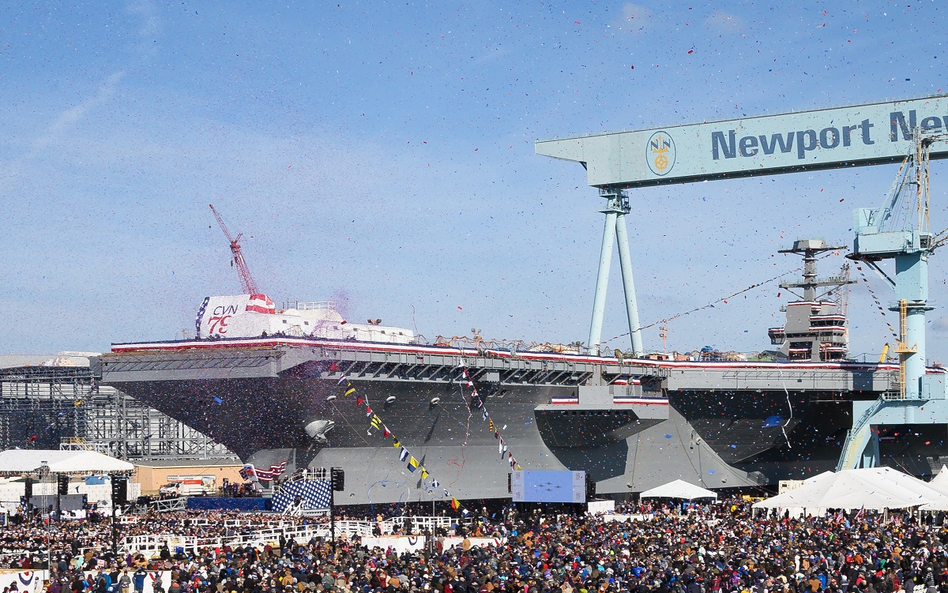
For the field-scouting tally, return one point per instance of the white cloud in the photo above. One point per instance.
(724, 22)
(11, 171)
(634, 16)
(69, 117)
(151, 24)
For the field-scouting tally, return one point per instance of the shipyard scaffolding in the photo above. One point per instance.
(64, 407)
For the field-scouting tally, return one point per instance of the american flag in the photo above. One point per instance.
(249, 472)
(200, 316)
(313, 495)
(260, 303)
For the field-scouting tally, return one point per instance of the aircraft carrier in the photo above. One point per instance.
(300, 385)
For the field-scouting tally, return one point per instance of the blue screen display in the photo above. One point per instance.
(548, 486)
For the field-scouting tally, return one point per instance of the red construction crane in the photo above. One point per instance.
(250, 287)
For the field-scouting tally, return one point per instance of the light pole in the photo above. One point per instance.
(337, 481)
(43, 474)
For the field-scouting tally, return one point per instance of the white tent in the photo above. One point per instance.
(24, 461)
(869, 488)
(940, 481)
(678, 489)
(939, 504)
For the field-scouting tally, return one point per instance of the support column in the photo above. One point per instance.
(602, 281)
(915, 363)
(911, 286)
(628, 284)
(617, 206)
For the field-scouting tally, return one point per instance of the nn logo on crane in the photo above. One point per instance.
(660, 153)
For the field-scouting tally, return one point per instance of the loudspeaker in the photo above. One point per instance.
(63, 481)
(590, 488)
(119, 489)
(338, 478)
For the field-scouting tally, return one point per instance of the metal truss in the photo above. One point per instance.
(60, 407)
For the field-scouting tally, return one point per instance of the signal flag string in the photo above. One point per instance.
(709, 305)
(431, 484)
(478, 403)
(878, 303)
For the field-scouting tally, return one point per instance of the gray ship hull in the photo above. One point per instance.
(630, 425)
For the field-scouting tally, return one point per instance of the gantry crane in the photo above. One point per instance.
(899, 230)
(246, 280)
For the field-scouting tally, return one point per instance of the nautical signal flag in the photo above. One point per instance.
(404, 455)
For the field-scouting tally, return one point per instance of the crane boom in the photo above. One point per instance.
(246, 280)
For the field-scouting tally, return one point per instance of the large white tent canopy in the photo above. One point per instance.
(940, 481)
(876, 488)
(24, 461)
(679, 489)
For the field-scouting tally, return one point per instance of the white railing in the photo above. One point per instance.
(257, 532)
(151, 544)
(418, 524)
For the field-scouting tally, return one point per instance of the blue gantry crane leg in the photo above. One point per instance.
(617, 206)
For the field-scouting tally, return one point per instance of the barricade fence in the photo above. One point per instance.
(256, 532)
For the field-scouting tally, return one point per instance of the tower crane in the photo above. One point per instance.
(246, 280)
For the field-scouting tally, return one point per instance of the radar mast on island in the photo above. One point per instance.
(816, 327)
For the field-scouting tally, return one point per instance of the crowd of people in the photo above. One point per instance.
(708, 548)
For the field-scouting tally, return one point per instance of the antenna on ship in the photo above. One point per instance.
(246, 280)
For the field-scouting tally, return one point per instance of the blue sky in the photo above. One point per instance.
(382, 155)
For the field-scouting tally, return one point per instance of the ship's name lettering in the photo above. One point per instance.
(225, 310)
(728, 145)
(218, 324)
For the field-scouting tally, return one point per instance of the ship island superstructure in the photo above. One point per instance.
(816, 324)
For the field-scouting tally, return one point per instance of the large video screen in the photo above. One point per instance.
(548, 486)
